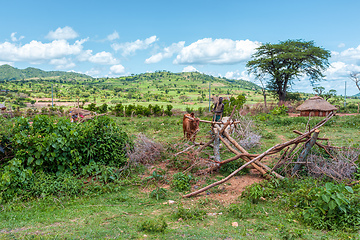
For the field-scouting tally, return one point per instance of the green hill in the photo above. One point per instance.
(10, 73)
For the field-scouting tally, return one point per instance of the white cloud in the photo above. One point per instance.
(218, 51)
(117, 69)
(113, 36)
(93, 72)
(340, 70)
(62, 63)
(62, 33)
(341, 45)
(15, 39)
(8, 63)
(347, 55)
(189, 69)
(239, 75)
(131, 47)
(37, 51)
(105, 58)
(166, 53)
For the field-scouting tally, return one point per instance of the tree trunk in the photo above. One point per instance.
(264, 94)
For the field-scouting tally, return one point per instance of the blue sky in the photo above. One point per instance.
(116, 38)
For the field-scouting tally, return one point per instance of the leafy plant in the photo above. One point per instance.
(181, 182)
(191, 213)
(158, 193)
(153, 225)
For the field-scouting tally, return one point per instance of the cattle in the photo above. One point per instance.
(190, 126)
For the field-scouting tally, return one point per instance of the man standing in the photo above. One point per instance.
(218, 110)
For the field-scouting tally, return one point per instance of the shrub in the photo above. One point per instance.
(332, 206)
(59, 146)
(168, 110)
(191, 213)
(158, 193)
(155, 225)
(181, 182)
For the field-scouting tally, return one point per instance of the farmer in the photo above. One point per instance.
(218, 110)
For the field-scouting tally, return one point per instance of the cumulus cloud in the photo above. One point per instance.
(340, 70)
(131, 47)
(117, 69)
(166, 53)
(113, 36)
(189, 69)
(347, 55)
(239, 75)
(62, 33)
(218, 51)
(15, 39)
(105, 58)
(8, 63)
(93, 72)
(37, 51)
(341, 45)
(62, 63)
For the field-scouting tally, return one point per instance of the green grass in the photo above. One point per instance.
(120, 214)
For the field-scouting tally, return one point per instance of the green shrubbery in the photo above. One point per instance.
(129, 110)
(181, 182)
(57, 147)
(321, 205)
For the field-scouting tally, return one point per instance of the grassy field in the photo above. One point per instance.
(126, 210)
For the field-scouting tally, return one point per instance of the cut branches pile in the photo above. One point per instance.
(291, 150)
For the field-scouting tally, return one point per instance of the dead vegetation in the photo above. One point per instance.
(341, 168)
(144, 151)
(244, 133)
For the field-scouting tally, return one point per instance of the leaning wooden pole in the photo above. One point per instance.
(306, 151)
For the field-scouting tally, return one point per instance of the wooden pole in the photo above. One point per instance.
(306, 151)
(216, 145)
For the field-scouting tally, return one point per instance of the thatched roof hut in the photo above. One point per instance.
(316, 106)
(2, 107)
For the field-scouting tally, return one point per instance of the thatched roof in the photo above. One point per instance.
(2, 107)
(316, 104)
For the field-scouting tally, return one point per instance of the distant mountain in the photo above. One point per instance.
(10, 73)
(357, 95)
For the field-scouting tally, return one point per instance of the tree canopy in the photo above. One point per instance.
(286, 61)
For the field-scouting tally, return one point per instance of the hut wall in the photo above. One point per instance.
(316, 113)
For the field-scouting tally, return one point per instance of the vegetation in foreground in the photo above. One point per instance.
(130, 204)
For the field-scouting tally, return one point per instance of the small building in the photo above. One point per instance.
(316, 106)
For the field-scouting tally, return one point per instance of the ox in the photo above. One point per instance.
(190, 126)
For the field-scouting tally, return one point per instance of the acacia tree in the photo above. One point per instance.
(286, 61)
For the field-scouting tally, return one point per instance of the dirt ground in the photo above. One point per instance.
(230, 190)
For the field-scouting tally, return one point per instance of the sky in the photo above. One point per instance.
(118, 38)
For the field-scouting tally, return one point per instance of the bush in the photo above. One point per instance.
(155, 226)
(181, 182)
(332, 206)
(191, 213)
(59, 146)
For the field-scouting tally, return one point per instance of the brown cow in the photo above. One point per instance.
(190, 127)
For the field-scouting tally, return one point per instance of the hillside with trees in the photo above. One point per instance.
(9, 73)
